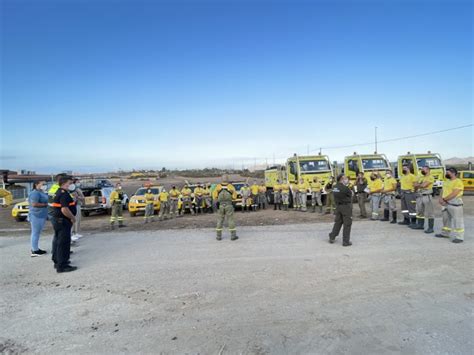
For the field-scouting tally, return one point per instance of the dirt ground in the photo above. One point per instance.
(169, 287)
(277, 290)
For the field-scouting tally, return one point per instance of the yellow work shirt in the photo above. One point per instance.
(285, 188)
(407, 181)
(115, 197)
(450, 185)
(149, 198)
(199, 191)
(276, 187)
(390, 184)
(163, 196)
(174, 193)
(254, 189)
(303, 187)
(316, 186)
(262, 189)
(186, 192)
(426, 178)
(375, 185)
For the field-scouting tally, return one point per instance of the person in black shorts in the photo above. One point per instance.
(63, 217)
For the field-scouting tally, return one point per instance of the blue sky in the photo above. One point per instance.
(100, 85)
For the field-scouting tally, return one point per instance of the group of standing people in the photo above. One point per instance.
(253, 197)
(61, 205)
(417, 202)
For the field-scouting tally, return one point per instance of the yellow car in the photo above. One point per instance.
(467, 177)
(20, 211)
(137, 201)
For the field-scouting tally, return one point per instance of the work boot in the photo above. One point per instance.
(441, 236)
(419, 224)
(456, 241)
(321, 209)
(405, 221)
(112, 226)
(275, 207)
(346, 244)
(219, 236)
(313, 210)
(430, 226)
(386, 216)
(279, 206)
(412, 222)
(243, 209)
(394, 217)
(233, 235)
(331, 239)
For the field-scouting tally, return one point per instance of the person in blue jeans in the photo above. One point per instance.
(38, 214)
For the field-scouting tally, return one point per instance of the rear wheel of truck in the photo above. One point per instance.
(133, 214)
(85, 213)
(20, 219)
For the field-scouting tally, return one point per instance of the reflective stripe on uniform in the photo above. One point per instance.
(405, 211)
(461, 230)
(232, 229)
(447, 229)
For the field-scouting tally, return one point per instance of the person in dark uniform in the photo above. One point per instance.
(63, 213)
(343, 199)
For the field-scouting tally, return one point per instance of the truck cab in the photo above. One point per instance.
(365, 163)
(417, 161)
(308, 167)
(272, 175)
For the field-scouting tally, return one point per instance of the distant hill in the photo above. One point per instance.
(459, 161)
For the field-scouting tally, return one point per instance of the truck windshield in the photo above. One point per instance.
(309, 166)
(141, 191)
(431, 162)
(374, 164)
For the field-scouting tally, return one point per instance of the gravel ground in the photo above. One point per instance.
(278, 289)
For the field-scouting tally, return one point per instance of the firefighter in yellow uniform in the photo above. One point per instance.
(207, 203)
(116, 197)
(149, 206)
(303, 188)
(226, 193)
(330, 203)
(277, 196)
(424, 201)
(255, 197)
(285, 195)
(408, 197)
(316, 192)
(199, 197)
(186, 194)
(262, 197)
(452, 207)
(246, 194)
(163, 197)
(174, 199)
(296, 196)
(375, 192)
(388, 198)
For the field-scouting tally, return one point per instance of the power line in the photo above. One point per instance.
(394, 139)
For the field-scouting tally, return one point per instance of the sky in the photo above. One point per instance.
(93, 86)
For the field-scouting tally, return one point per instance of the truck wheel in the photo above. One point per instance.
(109, 211)
(133, 214)
(20, 219)
(85, 213)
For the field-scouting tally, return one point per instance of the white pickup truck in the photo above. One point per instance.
(98, 200)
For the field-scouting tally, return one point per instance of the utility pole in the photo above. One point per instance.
(375, 139)
(320, 151)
